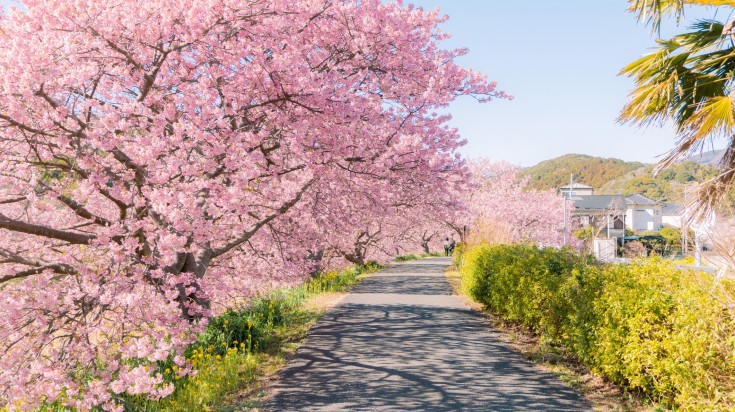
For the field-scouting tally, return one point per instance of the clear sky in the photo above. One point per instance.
(560, 60)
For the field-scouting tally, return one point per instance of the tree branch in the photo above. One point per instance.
(81, 211)
(247, 235)
(43, 231)
(59, 268)
(40, 266)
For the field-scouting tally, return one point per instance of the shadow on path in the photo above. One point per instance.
(401, 341)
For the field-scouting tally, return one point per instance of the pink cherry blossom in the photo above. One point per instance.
(161, 161)
(500, 208)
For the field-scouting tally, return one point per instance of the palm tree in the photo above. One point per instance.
(688, 81)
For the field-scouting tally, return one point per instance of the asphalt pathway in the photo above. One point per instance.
(400, 341)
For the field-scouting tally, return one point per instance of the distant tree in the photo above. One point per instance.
(684, 176)
(634, 249)
(501, 208)
(672, 236)
(667, 175)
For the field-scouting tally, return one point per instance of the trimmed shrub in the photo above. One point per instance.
(645, 325)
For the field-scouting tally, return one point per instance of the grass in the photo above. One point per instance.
(242, 348)
(414, 256)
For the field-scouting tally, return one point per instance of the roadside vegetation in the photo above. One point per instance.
(416, 256)
(241, 345)
(666, 334)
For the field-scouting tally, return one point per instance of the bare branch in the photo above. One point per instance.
(59, 268)
(16, 200)
(247, 235)
(81, 211)
(39, 266)
(43, 231)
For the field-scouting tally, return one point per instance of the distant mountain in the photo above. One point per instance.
(708, 158)
(615, 176)
(590, 170)
(667, 186)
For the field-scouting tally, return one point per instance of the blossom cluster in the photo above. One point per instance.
(160, 160)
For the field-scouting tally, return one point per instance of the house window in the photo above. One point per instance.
(618, 223)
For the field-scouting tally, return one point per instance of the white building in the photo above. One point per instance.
(577, 189)
(613, 213)
(672, 215)
(605, 213)
(642, 213)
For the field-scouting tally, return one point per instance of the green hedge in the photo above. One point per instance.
(644, 325)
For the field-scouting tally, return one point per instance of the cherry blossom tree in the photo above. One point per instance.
(159, 159)
(501, 209)
(406, 224)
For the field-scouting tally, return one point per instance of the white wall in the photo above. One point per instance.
(674, 221)
(640, 217)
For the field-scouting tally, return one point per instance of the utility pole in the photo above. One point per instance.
(571, 193)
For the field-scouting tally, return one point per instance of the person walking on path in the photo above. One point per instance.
(446, 247)
(452, 245)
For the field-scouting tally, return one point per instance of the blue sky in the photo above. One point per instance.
(560, 60)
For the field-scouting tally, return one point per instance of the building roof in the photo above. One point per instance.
(600, 203)
(672, 209)
(639, 199)
(576, 186)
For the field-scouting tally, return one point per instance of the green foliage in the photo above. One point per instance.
(584, 233)
(664, 242)
(645, 325)
(228, 353)
(667, 186)
(593, 171)
(414, 256)
(672, 235)
(458, 254)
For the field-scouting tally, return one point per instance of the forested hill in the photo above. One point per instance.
(590, 170)
(615, 176)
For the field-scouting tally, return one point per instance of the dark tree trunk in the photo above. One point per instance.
(356, 258)
(315, 258)
(196, 263)
(425, 246)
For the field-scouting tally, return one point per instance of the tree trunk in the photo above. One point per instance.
(316, 258)
(425, 246)
(355, 258)
(197, 264)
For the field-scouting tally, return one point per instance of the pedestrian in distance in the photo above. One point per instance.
(452, 245)
(446, 247)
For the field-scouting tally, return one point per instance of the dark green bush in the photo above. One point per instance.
(406, 258)
(254, 324)
(646, 325)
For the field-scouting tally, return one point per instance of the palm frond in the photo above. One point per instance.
(690, 81)
(713, 119)
(651, 12)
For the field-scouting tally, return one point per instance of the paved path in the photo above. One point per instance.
(401, 341)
